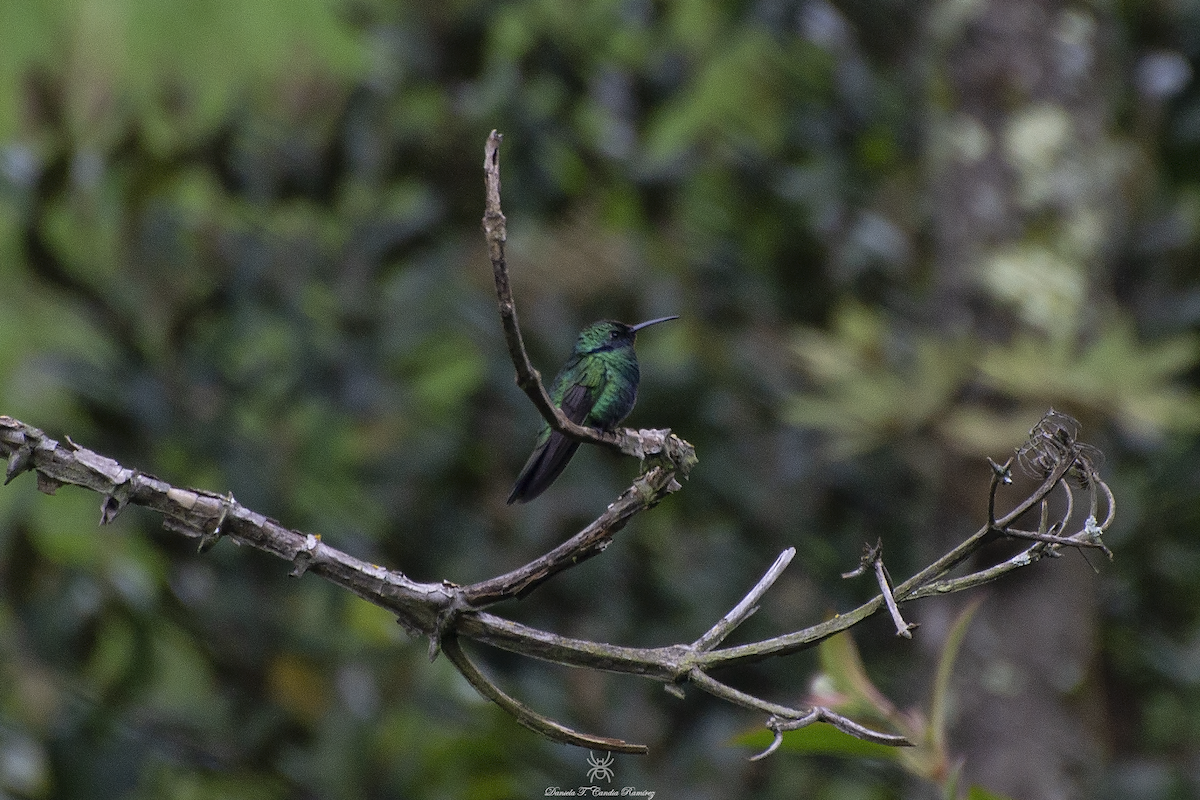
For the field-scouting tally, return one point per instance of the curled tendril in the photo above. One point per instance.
(1053, 440)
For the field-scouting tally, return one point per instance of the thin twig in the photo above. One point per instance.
(872, 561)
(845, 725)
(1112, 506)
(706, 682)
(748, 605)
(823, 714)
(1070, 510)
(979, 578)
(1049, 538)
(527, 716)
(866, 562)
(647, 490)
(529, 379)
(775, 743)
(903, 628)
(1001, 474)
(785, 718)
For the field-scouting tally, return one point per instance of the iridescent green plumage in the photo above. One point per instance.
(597, 387)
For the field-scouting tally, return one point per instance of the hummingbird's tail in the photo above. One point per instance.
(543, 467)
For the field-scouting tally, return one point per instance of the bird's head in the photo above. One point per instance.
(607, 335)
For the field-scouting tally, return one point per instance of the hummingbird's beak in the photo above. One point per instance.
(648, 323)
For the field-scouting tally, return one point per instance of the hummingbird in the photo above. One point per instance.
(597, 387)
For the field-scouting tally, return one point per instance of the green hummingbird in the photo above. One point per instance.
(597, 387)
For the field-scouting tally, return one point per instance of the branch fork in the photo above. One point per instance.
(872, 561)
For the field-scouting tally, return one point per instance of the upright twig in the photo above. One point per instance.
(872, 561)
(746, 607)
(903, 628)
(528, 379)
(680, 454)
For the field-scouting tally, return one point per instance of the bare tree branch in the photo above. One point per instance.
(903, 628)
(526, 716)
(822, 714)
(747, 606)
(640, 444)
(645, 493)
(445, 612)
(872, 561)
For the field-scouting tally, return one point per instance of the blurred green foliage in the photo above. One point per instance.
(240, 249)
(844, 686)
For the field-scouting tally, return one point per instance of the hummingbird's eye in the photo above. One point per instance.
(614, 334)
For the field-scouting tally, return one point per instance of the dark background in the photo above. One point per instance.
(240, 249)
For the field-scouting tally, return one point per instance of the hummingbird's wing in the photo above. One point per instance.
(552, 455)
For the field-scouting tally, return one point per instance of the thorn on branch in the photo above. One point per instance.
(305, 556)
(19, 460)
(209, 539)
(110, 506)
(114, 502)
(46, 484)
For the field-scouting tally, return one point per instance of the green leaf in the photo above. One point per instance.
(1116, 374)
(941, 684)
(858, 695)
(445, 372)
(821, 739)
(874, 383)
(179, 66)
